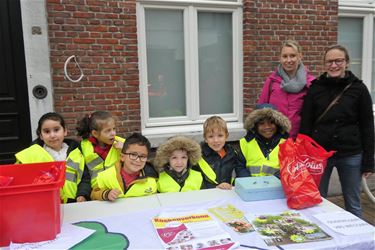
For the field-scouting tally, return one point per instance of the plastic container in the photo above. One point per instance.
(259, 188)
(30, 212)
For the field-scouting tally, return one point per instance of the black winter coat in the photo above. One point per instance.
(223, 167)
(348, 127)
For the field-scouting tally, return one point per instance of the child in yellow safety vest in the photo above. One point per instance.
(266, 129)
(131, 176)
(220, 161)
(175, 158)
(100, 146)
(51, 145)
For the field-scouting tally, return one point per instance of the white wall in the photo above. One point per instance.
(34, 16)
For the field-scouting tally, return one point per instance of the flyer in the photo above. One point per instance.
(193, 230)
(288, 227)
(345, 223)
(233, 218)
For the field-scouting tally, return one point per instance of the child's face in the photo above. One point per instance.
(266, 128)
(216, 139)
(107, 133)
(52, 134)
(178, 160)
(134, 159)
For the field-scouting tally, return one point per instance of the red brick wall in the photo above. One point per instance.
(103, 35)
(268, 23)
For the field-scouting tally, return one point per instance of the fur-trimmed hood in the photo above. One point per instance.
(165, 150)
(259, 114)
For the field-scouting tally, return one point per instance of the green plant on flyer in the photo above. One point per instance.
(101, 238)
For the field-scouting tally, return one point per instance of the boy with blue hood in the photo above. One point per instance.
(266, 129)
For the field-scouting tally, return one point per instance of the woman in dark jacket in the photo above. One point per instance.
(347, 127)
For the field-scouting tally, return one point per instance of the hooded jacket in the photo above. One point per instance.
(290, 104)
(186, 181)
(348, 127)
(262, 154)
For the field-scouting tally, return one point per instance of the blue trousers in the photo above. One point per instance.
(349, 171)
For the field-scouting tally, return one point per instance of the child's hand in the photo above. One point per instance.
(118, 144)
(81, 199)
(224, 185)
(113, 194)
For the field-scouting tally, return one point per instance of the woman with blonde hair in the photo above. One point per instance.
(287, 86)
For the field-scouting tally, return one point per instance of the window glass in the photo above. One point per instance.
(215, 63)
(351, 36)
(165, 62)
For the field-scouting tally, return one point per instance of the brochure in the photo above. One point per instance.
(193, 230)
(233, 218)
(287, 228)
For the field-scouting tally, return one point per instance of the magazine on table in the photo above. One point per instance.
(288, 227)
(191, 230)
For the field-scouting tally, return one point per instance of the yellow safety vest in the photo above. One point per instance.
(207, 171)
(167, 184)
(255, 160)
(74, 167)
(94, 162)
(141, 187)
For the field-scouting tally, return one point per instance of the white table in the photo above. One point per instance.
(132, 217)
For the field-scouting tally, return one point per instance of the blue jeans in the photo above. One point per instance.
(349, 171)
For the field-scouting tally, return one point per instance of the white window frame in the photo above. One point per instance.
(366, 11)
(157, 129)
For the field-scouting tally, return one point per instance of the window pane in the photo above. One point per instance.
(351, 35)
(165, 62)
(215, 63)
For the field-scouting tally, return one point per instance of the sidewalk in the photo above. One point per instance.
(367, 206)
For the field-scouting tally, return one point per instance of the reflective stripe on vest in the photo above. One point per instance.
(75, 164)
(167, 184)
(207, 171)
(255, 160)
(95, 163)
(107, 180)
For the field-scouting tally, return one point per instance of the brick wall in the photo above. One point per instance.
(102, 34)
(268, 23)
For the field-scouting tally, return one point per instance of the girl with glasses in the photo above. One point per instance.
(132, 175)
(337, 113)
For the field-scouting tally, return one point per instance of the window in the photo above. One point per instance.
(190, 58)
(357, 33)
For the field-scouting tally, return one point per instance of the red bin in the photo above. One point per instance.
(30, 212)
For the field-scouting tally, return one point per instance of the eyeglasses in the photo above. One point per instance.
(135, 156)
(338, 62)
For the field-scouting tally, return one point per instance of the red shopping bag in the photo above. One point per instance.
(314, 156)
(296, 168)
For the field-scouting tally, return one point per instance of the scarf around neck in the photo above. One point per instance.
(295, 84)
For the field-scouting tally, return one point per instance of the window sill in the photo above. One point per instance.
(159, 135)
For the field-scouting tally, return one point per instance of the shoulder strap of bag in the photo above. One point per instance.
(333, 103)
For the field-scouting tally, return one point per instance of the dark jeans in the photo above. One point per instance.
(349, 171)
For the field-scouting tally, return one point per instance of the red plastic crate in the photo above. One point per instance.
(30, 212)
